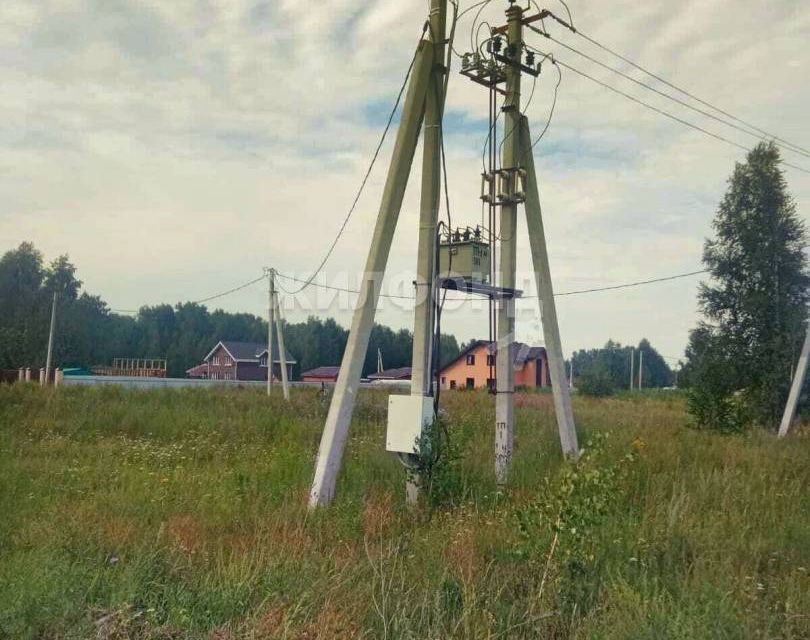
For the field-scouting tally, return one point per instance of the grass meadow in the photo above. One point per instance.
(182, 514)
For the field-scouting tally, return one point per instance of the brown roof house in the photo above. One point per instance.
(475, 364)
(399, 374)
(232, 360)
(321, 374)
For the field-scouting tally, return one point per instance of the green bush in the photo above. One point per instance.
(726, 413)
(597, 383)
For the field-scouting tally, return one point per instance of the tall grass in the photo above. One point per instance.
(182, 514)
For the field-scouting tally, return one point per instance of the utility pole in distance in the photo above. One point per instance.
(282, 352)
(49, 358)
(632, 366)
(640, 369)
(271, 293)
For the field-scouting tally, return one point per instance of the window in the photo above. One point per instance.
(471, 383)
(471, 359)
(444, 381)
(491, 384)
(490, 360)
(452, 384)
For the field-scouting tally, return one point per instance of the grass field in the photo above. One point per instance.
(182, 514)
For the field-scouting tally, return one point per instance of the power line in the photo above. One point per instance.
(625, 285)
(368, 172)
(708, 114)
(319, 285)
(796, 148)
(207, 299)
(667, 114)
(632, 284)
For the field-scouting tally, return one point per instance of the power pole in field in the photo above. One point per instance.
(507, 267)
(282, 352)
(796, 387)
(425, 73)
(632, 366)
(271, 312)
(513, 183)
(640, 368)
(274, 317)
(49, 358)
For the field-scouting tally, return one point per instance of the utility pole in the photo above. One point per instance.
(571, 373)
(271, 294)
(425, 307)
(640, 369)
(336, 429)
(49, 358)
(379, 361)
(632, 365)
(282, 352)
(548, 309)
(507, 267)
(796, 387)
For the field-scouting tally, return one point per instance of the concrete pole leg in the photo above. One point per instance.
(282, 352)
(796, 387)
(424, 310)
(505, 373)
(548, 308)
(336, 429)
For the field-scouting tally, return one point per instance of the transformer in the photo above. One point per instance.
(464, 254)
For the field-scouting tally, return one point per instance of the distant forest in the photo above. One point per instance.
(88, 333)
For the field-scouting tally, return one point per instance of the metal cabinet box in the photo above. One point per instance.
(468, 259)
(407, 416)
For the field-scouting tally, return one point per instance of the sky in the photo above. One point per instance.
(174, 149)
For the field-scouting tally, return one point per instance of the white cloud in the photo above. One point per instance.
(175, 148)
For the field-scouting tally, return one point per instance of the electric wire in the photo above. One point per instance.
(368, 171)
(683, 103)
(667, 114)
(625, 285)
(207, 299)
(607, 49)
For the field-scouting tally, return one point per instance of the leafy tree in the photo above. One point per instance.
(613, 360)
(755, 306)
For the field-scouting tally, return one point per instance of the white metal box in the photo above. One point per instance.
(407, 416)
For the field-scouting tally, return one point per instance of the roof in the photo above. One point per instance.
(197, 370)
(249, 351)
(401, 373)
(321, 372)
(521, 352)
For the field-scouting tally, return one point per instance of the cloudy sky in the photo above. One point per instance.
(173, 149)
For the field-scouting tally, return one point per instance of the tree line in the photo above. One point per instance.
(602, 372)
(88, 333)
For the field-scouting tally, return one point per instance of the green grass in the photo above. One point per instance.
(182, 514)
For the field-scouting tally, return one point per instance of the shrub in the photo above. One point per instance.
(597, 382)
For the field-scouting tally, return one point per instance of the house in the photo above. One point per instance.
(471, 369)
(391, 375)
(231, 360)
(321, 374)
